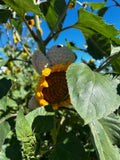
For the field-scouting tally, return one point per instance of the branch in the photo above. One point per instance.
(39, 40)
(57, 23)
(6, 118)
(117, 4)
(109, 60)
(16, 59)
(31, 31)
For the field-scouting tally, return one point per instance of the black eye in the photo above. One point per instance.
(59, 45)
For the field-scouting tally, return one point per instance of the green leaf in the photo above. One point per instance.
(106, 134)
(71, 45)
(29, 6)
(18, 25)
(93, 95)
(97, 34)
(11, 103)
(71, 150)
(23, 129)
(4, 130)
(5, 85)
(21, 93)
(41, 119)
(22, 6)
(3, 62)
(52, 10)
(4, 15)
(14, 6)
(102, 11)
(96, 5)
(3, 103)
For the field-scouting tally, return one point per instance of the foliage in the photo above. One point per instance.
(89, 129)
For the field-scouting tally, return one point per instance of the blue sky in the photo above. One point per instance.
(74, 35)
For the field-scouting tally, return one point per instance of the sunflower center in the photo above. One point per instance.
(57, 90)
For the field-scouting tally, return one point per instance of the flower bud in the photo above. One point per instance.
(60, 54)
(39, 61)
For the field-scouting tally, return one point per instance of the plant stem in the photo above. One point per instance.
(79, 3)
(116, 3)
(109, 60)
(57, 23)
(9, 116)
(31, 31)
(39, 38)
(16, 59)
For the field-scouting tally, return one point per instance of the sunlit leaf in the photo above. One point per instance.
(106, 134)
(3, 62)
(14, 6)
(96, 5)
(29, 6)
(93, 95)
(52, 10)
(23, 128)
(22, 6)
(11, 103)
(3, 103)
(4, 130)
(97, 34)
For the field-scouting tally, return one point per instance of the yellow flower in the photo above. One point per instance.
(7, 71)
(11, 64)
(52, 87)
(31, 23)
(8, 26)
(17, 70)
(16, 38)
(24, 53)
(71, 5)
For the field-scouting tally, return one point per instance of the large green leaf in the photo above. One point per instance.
(93, 95)
(97, 33)
(41, 119)
(52, 10)
(14, 6)
(106, 134)
(71, 150)
(5, 85)
(21, 6)
(4, 130)
(23, 128)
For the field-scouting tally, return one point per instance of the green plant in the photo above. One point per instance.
(89, 128)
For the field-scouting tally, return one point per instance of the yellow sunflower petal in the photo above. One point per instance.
(46, 72)
(58, 68)
(43, 102)
(40, 94)
(44, 84)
